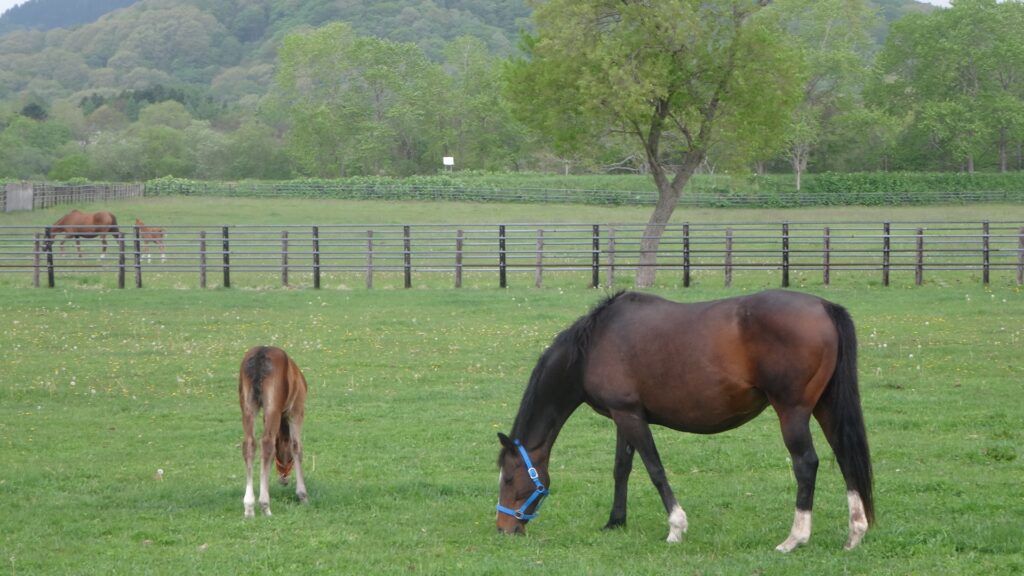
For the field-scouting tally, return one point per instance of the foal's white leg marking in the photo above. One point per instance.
(677, 524)
(800, 533)
(249, 500)
(858, 519)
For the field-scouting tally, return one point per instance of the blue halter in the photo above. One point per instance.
(538, 494)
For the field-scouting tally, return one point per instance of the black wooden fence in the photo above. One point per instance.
(595, 254)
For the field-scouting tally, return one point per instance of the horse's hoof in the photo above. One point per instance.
(853, 541)
(789, 545)
(614, 525)
(266, 509)
(302, 497)
(250, 513)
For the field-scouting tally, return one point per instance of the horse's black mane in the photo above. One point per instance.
(574, 342)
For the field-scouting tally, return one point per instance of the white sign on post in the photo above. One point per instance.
(448, 161)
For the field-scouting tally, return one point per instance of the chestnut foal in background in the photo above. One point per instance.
(270, 380)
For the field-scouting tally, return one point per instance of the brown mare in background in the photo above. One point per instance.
(270, 380)
(704, 368)
(77, 224)
(151, 235)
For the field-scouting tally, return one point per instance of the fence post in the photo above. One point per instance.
(502, 276)
(611, 258)
(369, 259)
(728, 258)
(120, 260)
(686, 254)
(284, 258)
(226, 257)
(137, 232)
(316, 257)
(1020, 258)
(407, 248)
(35, 261)
(202, 258)
(826, 264)
(595, 261)
(458, 258)
(785, 254)
(538, 275)
(886, 252)
(919, 266)
(48, 246)
(985, 252)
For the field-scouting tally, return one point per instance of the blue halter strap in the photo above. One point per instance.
(538, 494)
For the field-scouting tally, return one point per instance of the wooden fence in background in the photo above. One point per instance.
(39, 195)
(595, 254)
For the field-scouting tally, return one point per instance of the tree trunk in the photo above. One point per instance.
(667, 201)
(1003, 152)
(668, 198)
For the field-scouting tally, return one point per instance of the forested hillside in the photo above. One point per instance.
(228, 46)
(49, 14)
(231, 89)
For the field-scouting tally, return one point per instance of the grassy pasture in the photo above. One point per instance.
(99, 388)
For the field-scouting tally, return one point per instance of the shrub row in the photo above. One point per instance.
(828, 189)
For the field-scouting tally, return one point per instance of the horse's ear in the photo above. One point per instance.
(506, 441)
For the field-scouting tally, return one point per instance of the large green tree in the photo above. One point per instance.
(661, 74)
(358, 105)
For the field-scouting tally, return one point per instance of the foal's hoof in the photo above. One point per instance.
(250, 513)
(266, 509)
(302, 497)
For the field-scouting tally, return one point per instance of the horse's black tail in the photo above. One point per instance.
(848, 436)
(256, 369)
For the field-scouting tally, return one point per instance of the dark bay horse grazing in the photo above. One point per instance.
(77, 224)
(269, 379)
(151, 235)
(704, 368)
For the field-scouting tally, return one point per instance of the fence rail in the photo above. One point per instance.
(593, 254)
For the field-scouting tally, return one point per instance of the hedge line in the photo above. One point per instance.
(828, 189)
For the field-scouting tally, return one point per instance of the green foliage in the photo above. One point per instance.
(961, 72)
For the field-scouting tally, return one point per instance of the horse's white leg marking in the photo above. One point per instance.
(800, 533)
(677, 524)
(858, 519)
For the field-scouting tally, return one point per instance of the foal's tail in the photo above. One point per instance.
(842, 400)
(256, 368)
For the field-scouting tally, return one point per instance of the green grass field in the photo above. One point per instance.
(101, 387)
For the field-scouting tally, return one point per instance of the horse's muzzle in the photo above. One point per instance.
(517, 529)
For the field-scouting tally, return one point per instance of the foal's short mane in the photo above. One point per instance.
(574, 342)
